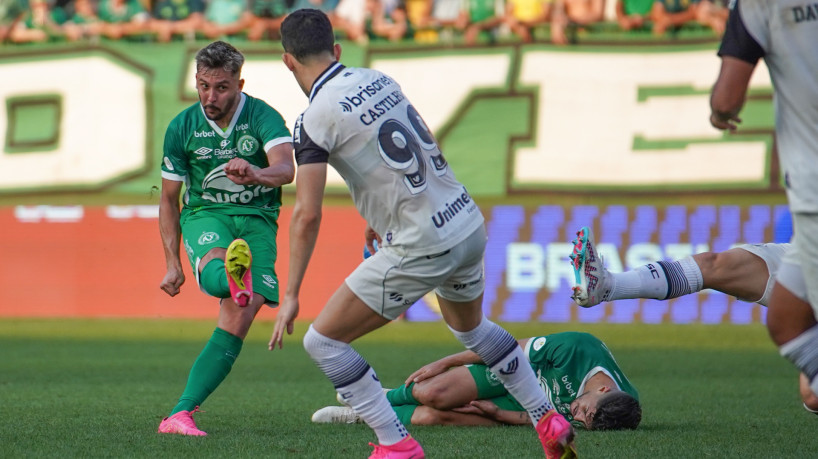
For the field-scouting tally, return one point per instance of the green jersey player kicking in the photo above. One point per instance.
(233, 152)
(576, 371)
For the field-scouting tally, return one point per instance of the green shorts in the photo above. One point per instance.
(490, 388)
(204, 230)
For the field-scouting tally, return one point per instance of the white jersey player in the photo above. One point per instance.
(784, 33)
(430, 234)
(361, 123)
(746, 272)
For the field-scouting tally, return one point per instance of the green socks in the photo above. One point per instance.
(402, 396)
(209, 369)
(403, 402)
(213, 279)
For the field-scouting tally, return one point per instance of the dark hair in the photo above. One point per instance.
(616, 411)
(220, 55)
(307, 32)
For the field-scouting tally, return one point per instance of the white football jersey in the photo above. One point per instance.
(785, 34)
(360, 122)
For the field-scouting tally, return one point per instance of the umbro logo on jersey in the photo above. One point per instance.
(269, 281)
(511, 368)
(203, 151)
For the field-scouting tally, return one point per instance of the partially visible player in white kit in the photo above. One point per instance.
(429, 230)
(785, 34)
(747, 272)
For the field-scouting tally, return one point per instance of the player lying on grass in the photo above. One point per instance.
(576, 370)
(746, 272)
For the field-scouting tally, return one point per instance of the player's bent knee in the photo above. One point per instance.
(431, 394)
(313, 343)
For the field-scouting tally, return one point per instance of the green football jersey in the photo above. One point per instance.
(565, 361)
(196, 151)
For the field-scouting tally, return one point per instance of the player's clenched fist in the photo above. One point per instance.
(173, 281)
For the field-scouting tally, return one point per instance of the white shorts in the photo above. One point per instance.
(801, 260)
(389, 283)
(773, 256)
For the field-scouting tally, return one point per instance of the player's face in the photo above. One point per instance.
(219, 92)
(584, 407)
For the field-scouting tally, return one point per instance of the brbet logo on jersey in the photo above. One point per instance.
(224, 143)
(200, 134)
(247, 145)
(208, 237)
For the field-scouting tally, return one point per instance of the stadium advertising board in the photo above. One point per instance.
(639, 114)
(108, 261)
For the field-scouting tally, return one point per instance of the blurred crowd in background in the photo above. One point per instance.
(422, 21)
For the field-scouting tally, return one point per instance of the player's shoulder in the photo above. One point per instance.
(189, 116)
(351, 83)
(255, 103)
(344, 91)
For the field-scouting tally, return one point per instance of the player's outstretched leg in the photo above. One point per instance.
(557, 436)
(181, 423)
(352, 375)
(336, 415)
(237, 262)
(593, 284)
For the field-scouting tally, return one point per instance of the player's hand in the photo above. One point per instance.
(483, 408)
(173, 281)
(723, 123)
(287, 312)
(427, 371)
(369, 236)
(241, 172)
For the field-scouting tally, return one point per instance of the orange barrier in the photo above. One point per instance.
(108, 262)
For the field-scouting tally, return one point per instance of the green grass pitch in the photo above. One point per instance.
(98, 388)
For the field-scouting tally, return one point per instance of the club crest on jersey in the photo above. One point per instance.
(208, 238)
(247, 145)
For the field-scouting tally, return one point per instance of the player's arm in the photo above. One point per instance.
(490, 410)
(171, 233)
(443, 365)
(739, 53)
(304, 225)
(729, 92)
(281, 170)
(450, 361)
